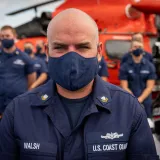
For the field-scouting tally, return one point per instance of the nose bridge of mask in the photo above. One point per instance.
(7, 43)
(77, 64)
(39, 48)
(28, 50)
(137, 52)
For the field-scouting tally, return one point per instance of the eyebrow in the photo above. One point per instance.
(83, 44)
(63, 44)
(59, 44)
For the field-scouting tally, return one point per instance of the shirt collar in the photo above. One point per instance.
(16, 52)
(43, 95)
(101, 93)
(143, 61)
(47, 94)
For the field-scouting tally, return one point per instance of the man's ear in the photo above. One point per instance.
(100, 48)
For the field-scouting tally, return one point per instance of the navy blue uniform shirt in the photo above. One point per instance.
(128, 56)
(114, 126)
(137, 76)
(40, 66)
(14, 69)
(42, 56)
(103, 70)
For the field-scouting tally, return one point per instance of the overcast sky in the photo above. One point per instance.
(12, 5)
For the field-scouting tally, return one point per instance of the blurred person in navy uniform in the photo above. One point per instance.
(16, 69)
(39, 66)
(0, 41)
(103, 69)
(137, 76)
(40, 50)
(76, 115)
(137, 37)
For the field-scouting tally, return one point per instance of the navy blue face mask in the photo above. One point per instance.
(72, 71)
(7, 43)
(38, 49)
(28, 50)
(137, 52)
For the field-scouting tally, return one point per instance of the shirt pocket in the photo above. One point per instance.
(18, 68)
(37, 150)
(111, 146)
(144, 75)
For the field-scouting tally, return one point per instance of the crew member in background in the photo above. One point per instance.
(39, 66)
(0, 41)
(102, 68)
(16, 69)
(40, 50)
(137, 76)
(139, 38)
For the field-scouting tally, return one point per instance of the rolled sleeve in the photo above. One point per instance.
(141, 145)
(44, 68)
(123, 75)
(152, 75)
(29, 64)
(30, 67)
(149, 56)
(125, 57)
(103, 72)
(8, 147)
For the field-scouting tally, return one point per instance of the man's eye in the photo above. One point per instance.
(83, 47)
(57, 47)
(60, 47)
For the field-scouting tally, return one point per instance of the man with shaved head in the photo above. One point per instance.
(76, 115)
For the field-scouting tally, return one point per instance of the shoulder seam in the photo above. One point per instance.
(23, 95)
(120, 90)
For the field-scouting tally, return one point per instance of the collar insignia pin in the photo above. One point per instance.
(104, 99)
(44, 97)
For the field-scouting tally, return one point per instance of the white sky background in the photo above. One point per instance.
(7, 6)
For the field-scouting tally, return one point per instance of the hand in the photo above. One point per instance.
(140, 100)
(30, 88)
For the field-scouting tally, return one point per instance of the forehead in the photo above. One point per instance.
(138, 35)
(136, 44)
(71, 32)
(39, 43)
(28, 45)
(6, 31)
